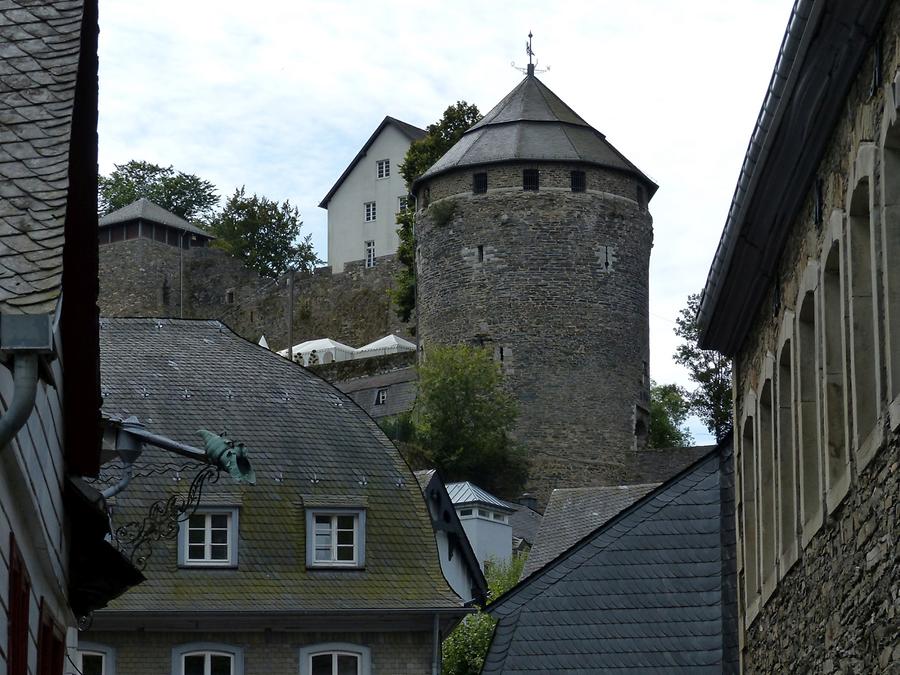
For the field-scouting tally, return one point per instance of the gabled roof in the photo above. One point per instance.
(408, 130)
(308, 443)
(823, 49)
(144, 209)
(653, 590)
(532, 124)
(573, 513)
(469, 493)
(41, 45)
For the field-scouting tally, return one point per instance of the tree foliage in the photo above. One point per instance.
(439, 138)
(263, 234)
(709, 370)
(462, 420)
(184, 194)
(669, 407)
(466, 647)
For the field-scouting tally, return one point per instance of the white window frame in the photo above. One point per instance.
(382, 169)
(381, 397)
(402, 203)
(370, 253)
(359, 537)
(207, 649)
(370, 211)
(96, 649)
(231, 512)
(364, 655)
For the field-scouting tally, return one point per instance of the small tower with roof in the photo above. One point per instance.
(534, 240)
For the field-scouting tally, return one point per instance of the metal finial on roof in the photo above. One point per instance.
(531, 69)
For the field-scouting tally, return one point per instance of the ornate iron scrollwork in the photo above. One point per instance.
(162, 519)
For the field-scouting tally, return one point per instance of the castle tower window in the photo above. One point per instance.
(807, 397)
(530, 179)
(579, 181)
(480, 253)
(229, 297)
(836, 456)
(479, 183)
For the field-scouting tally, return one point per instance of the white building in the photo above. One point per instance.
(363, 204)
(485, 518)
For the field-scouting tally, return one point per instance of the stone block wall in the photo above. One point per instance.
(555, 283)
(142, 277)
(270, 652)
(830, 600)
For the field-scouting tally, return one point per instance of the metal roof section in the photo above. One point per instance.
(413, 133)
(572, 513)
(532, 123)
(653, 590)
(822, 50)
(39, 69)
(469, 493)
(144, 209)
(310, 445)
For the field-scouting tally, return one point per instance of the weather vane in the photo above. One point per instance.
(532, 67)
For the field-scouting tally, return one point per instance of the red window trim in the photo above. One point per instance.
(51, 645)
(18, 605)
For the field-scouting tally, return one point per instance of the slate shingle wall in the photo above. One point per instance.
(574, 334)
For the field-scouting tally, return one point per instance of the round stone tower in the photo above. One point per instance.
(534, 241)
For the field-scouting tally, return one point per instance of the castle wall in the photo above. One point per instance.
(818, 482)
(556, 284)
(141, 277)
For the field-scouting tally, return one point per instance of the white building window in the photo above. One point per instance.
(95, 659)
(209, 538)
(207, 658)
(335, 659)
(402, 203)
(381, 397)
(383, 168)
(335, 538)
(370, 253)
(369, 211)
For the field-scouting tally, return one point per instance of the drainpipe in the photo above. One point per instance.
(436, 649)
(24, 337)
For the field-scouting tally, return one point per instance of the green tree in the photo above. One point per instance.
(438, 139)
(184, 194)
(263, 234)
(463, 417)
(708, 369)
(669, 407)
(466, 647)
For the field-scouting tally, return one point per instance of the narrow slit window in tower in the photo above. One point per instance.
(480, 253)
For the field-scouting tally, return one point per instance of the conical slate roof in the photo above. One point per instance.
(144, 209)
(533, 124)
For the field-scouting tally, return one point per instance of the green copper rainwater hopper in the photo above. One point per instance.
(228, 456)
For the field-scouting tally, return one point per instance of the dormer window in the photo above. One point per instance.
(209, 538)
(479, 183)
(530, 179)
(336, 538)
(381, 397)
(383, 168)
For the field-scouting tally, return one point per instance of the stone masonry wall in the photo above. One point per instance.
(556, 284)
(837, 608)
(272, 652)
(141, 277)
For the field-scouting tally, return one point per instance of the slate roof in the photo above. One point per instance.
(308, 443)
(650, 591)
(144, 209)
(469, 493)
(532, 124)
(413, 133)
(572, 513)
(525, 523)
(39, 57)
(401, 390)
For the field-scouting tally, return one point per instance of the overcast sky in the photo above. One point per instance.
(280, 95)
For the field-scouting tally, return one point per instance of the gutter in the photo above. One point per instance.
(757, 152)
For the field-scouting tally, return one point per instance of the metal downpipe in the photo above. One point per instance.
(25, 377)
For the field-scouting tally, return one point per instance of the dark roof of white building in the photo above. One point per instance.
(533, 124)
(653, 590)
(413, 133)
(144, 209)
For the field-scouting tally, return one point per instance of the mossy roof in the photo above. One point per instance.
(308, 442)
